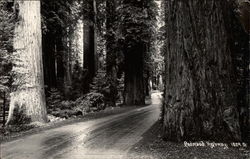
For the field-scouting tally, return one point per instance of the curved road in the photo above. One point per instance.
(103, 138)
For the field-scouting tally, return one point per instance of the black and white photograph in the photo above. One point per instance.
(124, 79)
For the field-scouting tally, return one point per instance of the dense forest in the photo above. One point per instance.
(68, 58)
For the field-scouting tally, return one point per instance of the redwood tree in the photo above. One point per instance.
(28, 87)
(90, 62)
(201, 86)
(137, 29)
(111, 43)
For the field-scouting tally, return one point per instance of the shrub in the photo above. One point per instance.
(90, 102)
(19, 116)
(54, 99)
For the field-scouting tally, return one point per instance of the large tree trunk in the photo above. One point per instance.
(134, 93)
(239, 42)
(68, 63)
(147, 69)
(111, 57)
(90, 47)
(49, 60)
(146, 83)
(28, 95)
(200, 98)
(89, 52)
(60, 66)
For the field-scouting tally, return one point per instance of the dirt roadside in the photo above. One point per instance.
(152, 146)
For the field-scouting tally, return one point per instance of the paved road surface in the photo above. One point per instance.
(104, 138)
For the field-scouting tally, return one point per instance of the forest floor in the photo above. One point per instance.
(152, 146)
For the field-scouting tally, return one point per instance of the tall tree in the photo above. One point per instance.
(111, 44)
(28, 93)
(49, 59)
(90, 62)
(138, 18)
(200, 96)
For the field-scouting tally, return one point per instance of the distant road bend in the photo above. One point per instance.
(103, 138)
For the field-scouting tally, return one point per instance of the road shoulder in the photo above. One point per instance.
(153, 147)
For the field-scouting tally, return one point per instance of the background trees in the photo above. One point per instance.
(7, 25)
(60, 21)
(137, 27)
(62, 24)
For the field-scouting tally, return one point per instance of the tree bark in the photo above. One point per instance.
(239, 45)
(89, 54)
(147, 84)
(200, 98)
(49, 60)
(111, 56)
(134, 93)
(68, 62)
(28, 94)
(90, 47)
(60, 65)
